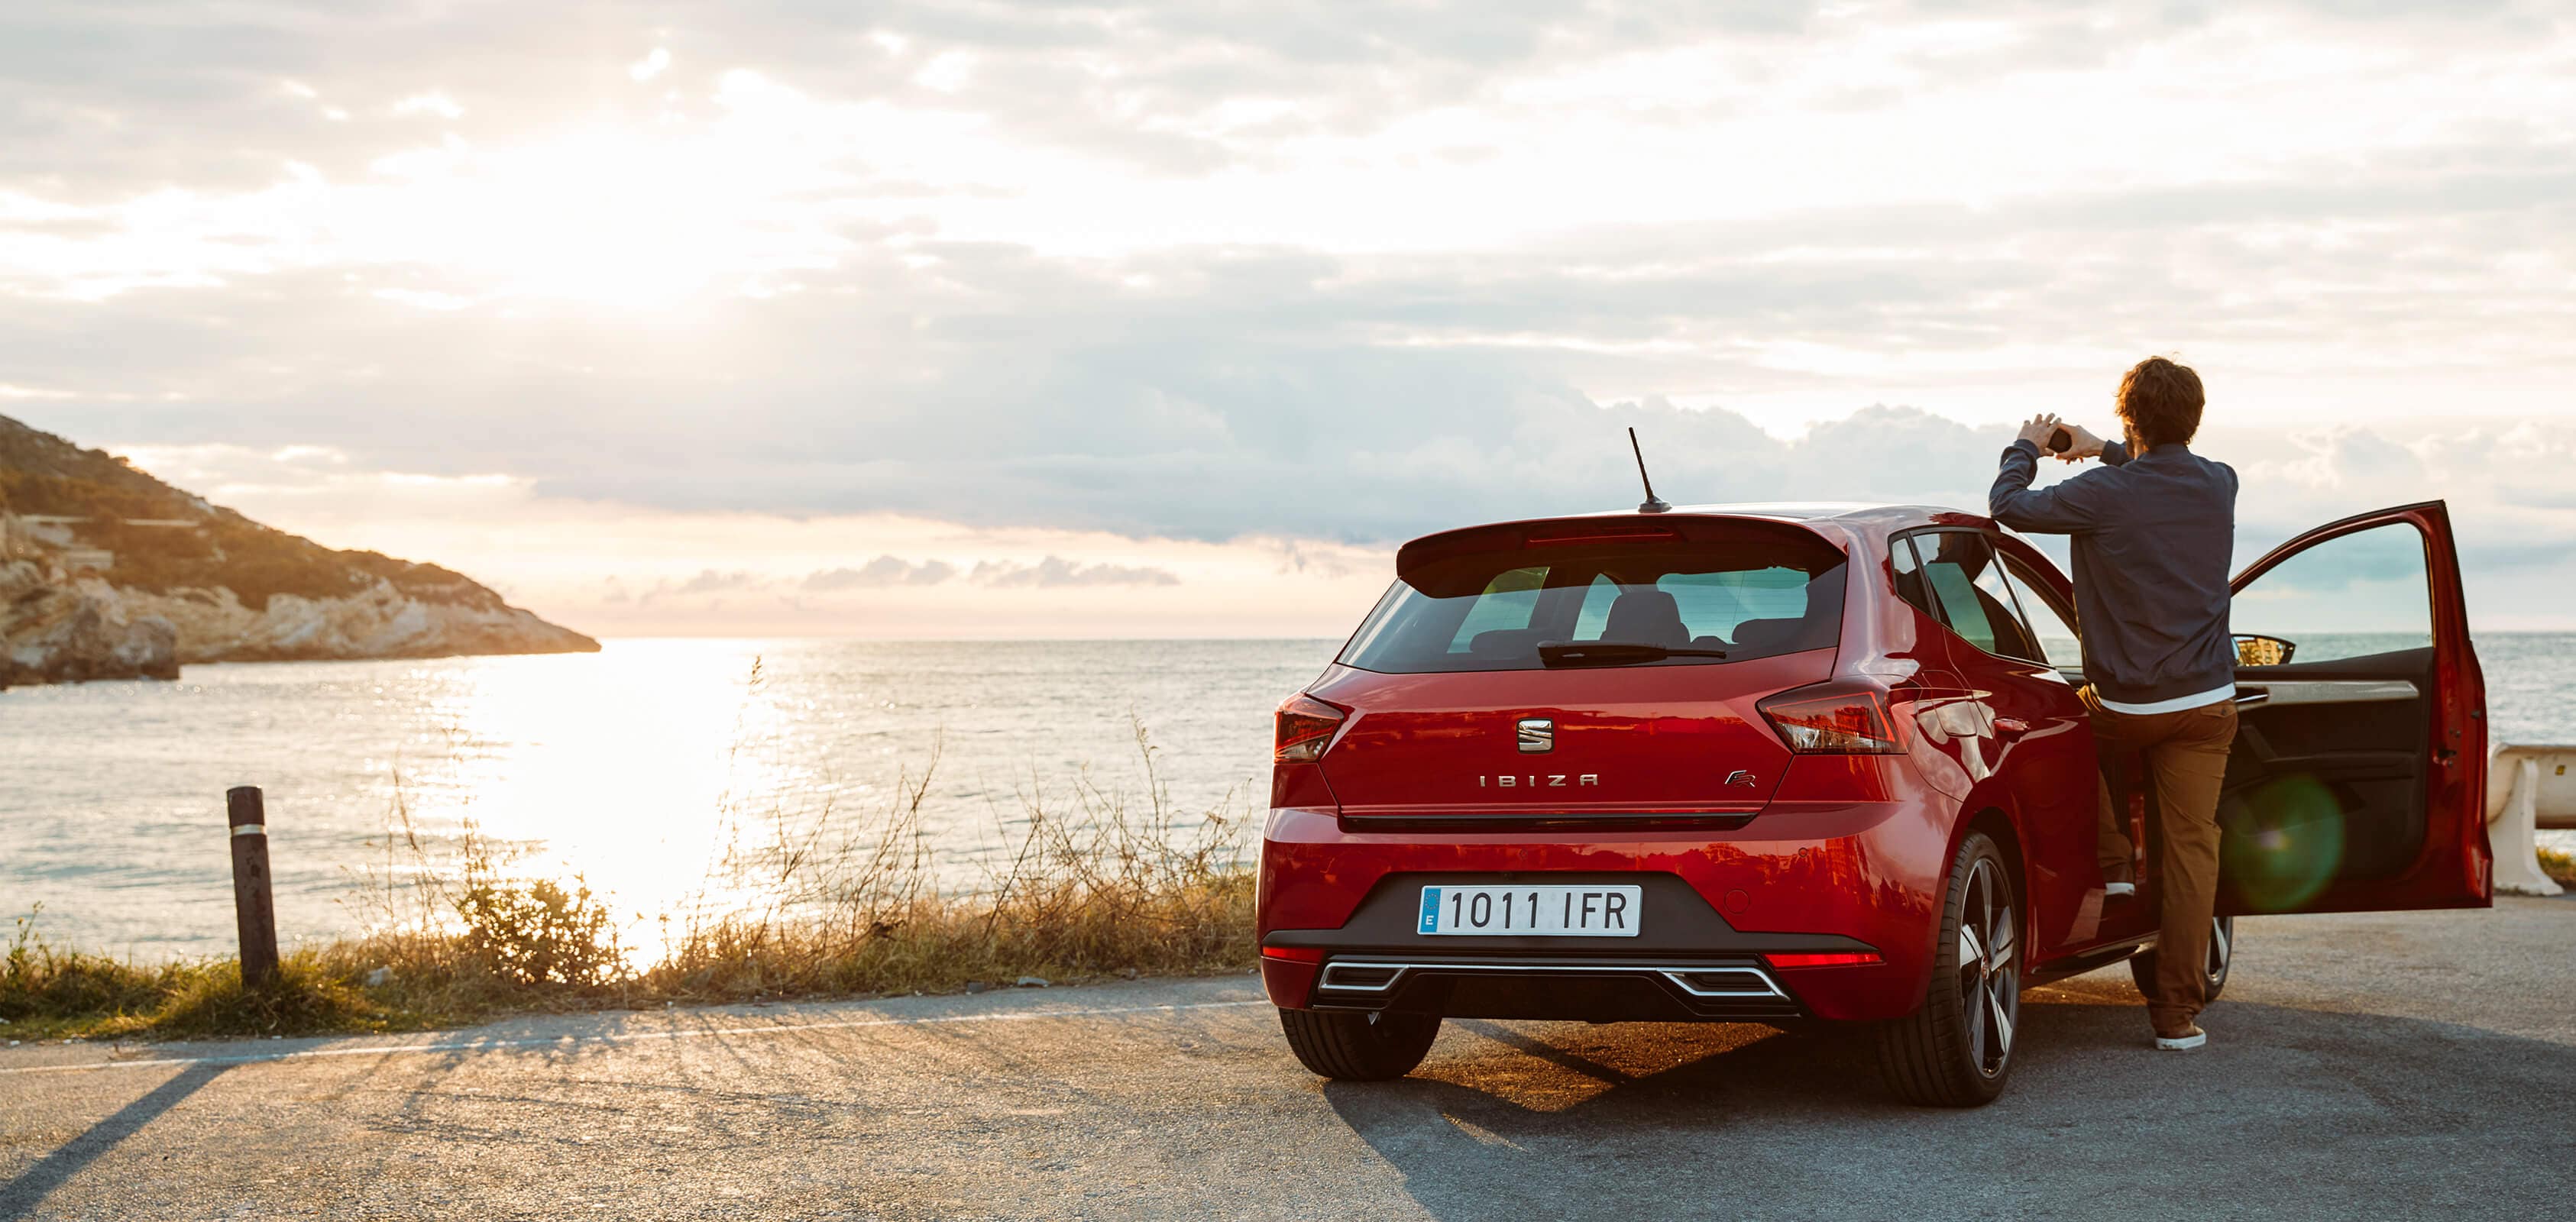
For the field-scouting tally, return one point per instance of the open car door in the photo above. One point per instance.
(2359, 775)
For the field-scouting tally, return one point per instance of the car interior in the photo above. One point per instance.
(1484, 613)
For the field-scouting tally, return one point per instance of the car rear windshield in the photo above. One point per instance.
(1765, 595)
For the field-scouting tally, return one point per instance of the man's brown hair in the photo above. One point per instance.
(2160, 402)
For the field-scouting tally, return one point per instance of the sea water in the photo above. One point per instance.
(629, 766)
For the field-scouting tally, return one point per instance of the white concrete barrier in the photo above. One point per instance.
(2528, 788)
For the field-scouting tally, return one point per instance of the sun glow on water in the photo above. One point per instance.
(638, 769)
(624, 775)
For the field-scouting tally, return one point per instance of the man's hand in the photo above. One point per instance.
(2039, 429)
(2086, 444)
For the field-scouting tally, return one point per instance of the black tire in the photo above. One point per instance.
(1956, 1049)
(1353, 1046)
(2222, 955)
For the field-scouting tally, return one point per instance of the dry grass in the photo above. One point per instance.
(1090, 892)
(2560, 866)
(46, 992)
(843, 903)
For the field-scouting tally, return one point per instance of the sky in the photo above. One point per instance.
(983, 318)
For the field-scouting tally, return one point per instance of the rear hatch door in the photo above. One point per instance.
(1457, 715)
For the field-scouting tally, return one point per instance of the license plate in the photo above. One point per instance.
(1547, 911)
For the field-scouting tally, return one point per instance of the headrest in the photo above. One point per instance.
(1506, 644)
(1767, 634)
(1646, 617)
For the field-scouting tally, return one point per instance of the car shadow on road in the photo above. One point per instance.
(2290, 1113)
(21, 1195)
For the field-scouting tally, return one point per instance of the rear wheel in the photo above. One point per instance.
(1358, 1046)
(1956, 1050)
(2222, 951)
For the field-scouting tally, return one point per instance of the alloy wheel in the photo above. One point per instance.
(1989, 981)
(2214, 963)
(2222, 943)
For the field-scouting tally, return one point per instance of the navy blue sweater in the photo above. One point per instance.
(2152, 538)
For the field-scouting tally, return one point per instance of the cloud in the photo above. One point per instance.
(1170, 271)
(1052, 572)
(1216, 393)
(1056, 572)
(432, 103)
(576, 561)
(879, 573)
(709, 581)
(1308, 557)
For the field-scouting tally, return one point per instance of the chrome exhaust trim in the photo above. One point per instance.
(1362, 975)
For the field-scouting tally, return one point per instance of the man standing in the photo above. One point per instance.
(2152, 531)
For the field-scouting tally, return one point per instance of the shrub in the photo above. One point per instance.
(538, 933)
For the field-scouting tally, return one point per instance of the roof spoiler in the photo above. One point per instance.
(1595, 531)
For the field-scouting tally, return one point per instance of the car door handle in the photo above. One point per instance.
(2012, 725)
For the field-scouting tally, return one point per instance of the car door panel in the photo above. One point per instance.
(2046, 768)
(2073, 842)
(2018, 717)
(2349, 732)
(2352, 785)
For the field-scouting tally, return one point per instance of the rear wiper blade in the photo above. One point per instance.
(1614, 653)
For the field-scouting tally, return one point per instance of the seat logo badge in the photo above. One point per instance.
(1739, 779)
(1537, 734)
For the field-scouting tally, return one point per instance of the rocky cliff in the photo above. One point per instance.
(106, 572)
(51, 633)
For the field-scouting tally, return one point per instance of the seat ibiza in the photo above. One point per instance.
(1822, 764)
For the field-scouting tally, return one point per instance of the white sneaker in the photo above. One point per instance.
(2182, 1043)
(2113, 891)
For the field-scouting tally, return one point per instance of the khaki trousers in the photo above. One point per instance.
(2186, 760)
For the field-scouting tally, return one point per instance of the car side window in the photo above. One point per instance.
(2351, 596)
(1909, 576)
(2052, 630)
(1967, 584)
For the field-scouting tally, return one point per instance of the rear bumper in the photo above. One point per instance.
(1814, 878)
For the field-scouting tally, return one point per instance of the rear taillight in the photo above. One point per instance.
(1306, 726)
(1833, 719)
(1862, 958)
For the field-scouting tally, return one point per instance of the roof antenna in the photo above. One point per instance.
(1653, 503)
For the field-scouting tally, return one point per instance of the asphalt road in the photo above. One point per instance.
(2379, 1066)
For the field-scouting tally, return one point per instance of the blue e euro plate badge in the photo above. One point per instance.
(1430, 909)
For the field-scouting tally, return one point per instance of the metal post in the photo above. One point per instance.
(252, 909)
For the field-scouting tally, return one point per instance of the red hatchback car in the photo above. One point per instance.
(1822, 763)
